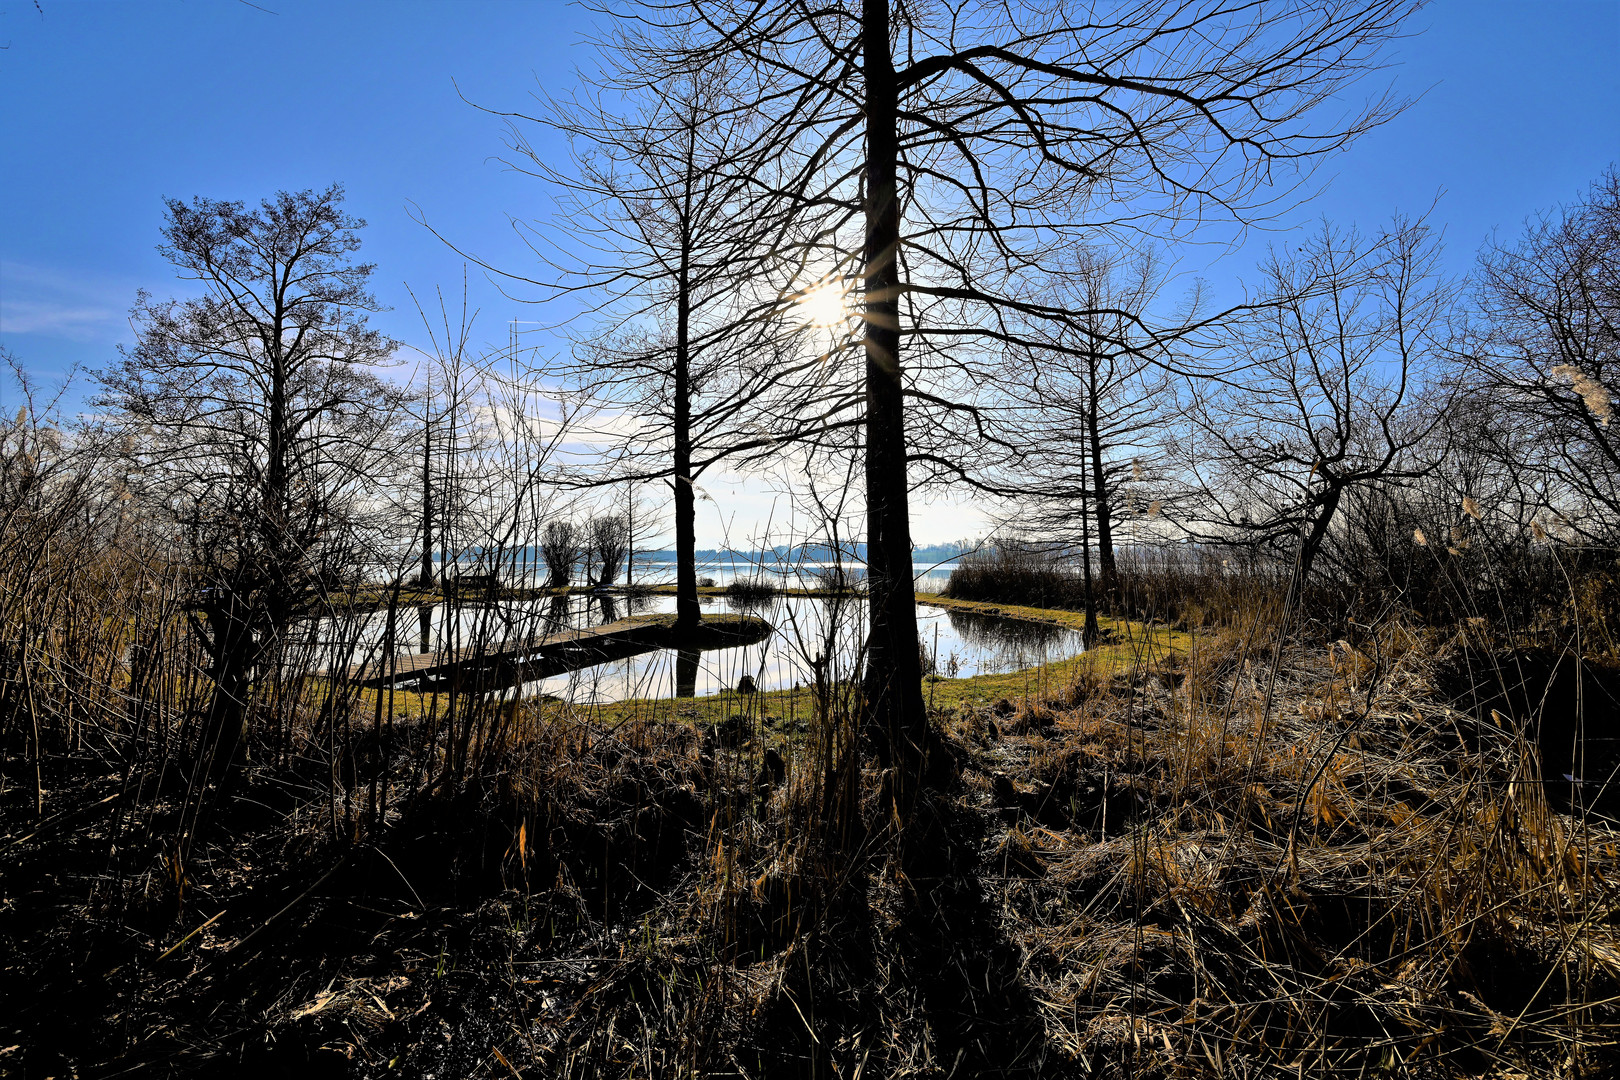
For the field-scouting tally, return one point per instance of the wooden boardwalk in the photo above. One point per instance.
(543, 655)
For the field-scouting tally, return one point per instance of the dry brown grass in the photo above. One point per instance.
(1336, 876)
(1193, 869)
(1248, 856)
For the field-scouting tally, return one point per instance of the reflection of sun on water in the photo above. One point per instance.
(823, 305)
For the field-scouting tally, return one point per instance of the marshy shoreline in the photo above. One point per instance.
(1202, 852)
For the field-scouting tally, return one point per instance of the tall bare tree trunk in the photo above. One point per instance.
(427, 500)
(687, 611)
(1088, 636)
(1099, 483)
(893, 680)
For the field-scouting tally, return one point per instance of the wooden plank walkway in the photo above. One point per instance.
(544, 655)
(574, 648)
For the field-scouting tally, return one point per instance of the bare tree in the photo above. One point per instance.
(442, 408)
(609, 540)
(560, 548)
(963, 150)
(256, 423)
(1328, 391)
(1094, 395)
(663, 233)
(1546, 350)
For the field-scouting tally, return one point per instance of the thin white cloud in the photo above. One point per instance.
(50, 303)
(56, 320)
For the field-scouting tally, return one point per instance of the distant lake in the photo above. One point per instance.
(526, 570)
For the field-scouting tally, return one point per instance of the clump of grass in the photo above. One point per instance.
(751, 590)
(1328, 867)
(1016, 575)
(833, 580)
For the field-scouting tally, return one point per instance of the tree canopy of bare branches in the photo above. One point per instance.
(686, 345)
(1094, 404)
(1323, 388)
(254, 419)
(946, 154)
(1547, 351)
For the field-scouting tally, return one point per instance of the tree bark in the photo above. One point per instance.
(893, 678)
(1313, 542)
(1088, 636)
(687, 611)
(1099, 483)
(427, 500)
(224, 736)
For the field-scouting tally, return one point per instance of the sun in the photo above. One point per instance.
(823, 305)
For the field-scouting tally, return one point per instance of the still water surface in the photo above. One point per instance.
(808, 631)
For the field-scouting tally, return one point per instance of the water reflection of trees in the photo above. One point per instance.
(686, 673)
(815, 639)
(557, 612)
(760, 603)
(998, 635)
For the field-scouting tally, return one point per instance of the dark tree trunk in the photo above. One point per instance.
(1099, 483)
(893, 679)
(1308, 551)
(687, 611)
(1088, 636)
(224, 736)
(427, 504)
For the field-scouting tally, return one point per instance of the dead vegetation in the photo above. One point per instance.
(1257, 855)
(1217, 864)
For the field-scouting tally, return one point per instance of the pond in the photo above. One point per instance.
(808, 631)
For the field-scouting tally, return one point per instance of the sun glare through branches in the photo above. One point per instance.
(823, 305)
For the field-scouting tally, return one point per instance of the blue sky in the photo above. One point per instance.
(107, 107)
